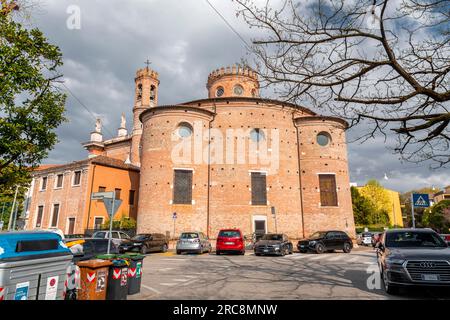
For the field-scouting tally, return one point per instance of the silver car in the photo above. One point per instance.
(193, 242)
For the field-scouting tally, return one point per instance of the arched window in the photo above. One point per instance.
(152, 92)
(219, 92)
(238, 90)
(139, 91)
(257, 135)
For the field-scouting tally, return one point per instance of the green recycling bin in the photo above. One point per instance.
(117, 277)
(135, 272)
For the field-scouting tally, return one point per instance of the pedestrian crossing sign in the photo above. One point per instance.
(421, 200)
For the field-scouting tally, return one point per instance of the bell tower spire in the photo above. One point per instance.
(146, 96)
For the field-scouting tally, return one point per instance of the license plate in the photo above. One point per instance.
(229, 242)
(302, 246)
(430, 277)
(265, 250)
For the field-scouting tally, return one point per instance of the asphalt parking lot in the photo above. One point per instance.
(297, 276)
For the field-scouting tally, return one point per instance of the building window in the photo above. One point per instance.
(259, 189)
(139, 93)
(131, 197)
(98, 221)
(328, 194)
(40, 214)
(117, 192)
(182, 187)
(55, 216)
(257, 135)
(101, 189)
(184, 130)
(323, 139)
(77, 178)
(238, 90)
(59, 181)
(219, 92)
(71, 226)
(44, 183)
(152, 92)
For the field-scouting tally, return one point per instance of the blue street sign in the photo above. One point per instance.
(421, 200)
(108, 204)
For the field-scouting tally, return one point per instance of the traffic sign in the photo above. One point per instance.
(109, 205)
(421, 200)
(174, 215)
(102, 195)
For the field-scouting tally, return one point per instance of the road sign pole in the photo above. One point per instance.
(12, 209)
(111, 215)
(412, 211)
(174, 228)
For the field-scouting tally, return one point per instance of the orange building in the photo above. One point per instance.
(61, 194)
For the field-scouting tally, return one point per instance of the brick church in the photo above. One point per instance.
(233, 159)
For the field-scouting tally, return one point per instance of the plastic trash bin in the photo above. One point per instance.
(118, 277)
(93, 279)
(33, 265)
(135, 272)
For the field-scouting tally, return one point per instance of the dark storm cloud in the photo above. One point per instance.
(185, 40)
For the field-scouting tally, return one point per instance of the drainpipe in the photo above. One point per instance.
(89, 195)
(299, 175)
(209, 171)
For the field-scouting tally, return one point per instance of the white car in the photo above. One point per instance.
(366, 238)
(116, 236)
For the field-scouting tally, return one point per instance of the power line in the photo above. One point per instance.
(247, 45)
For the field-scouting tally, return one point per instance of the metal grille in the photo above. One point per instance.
(328, 194)
(182, 187)
(259, 188)
(418, 268)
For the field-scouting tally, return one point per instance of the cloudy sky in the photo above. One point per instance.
(184, 40)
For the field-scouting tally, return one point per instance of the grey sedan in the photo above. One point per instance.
(193, 242)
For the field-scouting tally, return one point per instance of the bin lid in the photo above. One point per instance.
(132, 256)
(94, 263)
(26, 245)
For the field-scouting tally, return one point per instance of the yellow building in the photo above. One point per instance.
(386, 199)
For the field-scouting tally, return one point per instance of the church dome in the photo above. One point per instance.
(234, 81)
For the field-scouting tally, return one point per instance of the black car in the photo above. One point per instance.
(146, 242)
(89, 248)
(273, 243)
(322, 241)
(413, 257)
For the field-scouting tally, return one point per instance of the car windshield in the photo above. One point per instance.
(140, 237)
(411, 239)
(230, 234)
(272, 237)
(318, 235)
(366, 234)
(189, 236)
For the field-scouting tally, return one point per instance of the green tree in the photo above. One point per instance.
(31, 107)
(363, 208)
(434, 217)
(380, 199)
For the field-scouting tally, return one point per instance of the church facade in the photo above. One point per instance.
(232, 159)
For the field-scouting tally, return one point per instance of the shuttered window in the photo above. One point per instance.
(259, 189)
(328, 194)
(39, 216)
(182, 187)
(55, 215)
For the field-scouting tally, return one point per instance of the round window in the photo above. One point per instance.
(184, 130)
(219, 92)
(257, 135)
(238, 90)
(323, 138)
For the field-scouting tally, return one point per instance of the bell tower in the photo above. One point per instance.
(146, 96)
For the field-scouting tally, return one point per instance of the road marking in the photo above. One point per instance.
(151, 289)
(319, 257)
(296, 256)
(165, 269)
(181, 280)
(189, 276)
(336, 258)
(168, 284)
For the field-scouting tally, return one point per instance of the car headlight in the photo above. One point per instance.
(394, 262)
(312, 243)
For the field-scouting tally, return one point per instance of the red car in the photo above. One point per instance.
(230, 241)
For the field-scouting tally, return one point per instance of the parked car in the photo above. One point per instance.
(273, 243)
(88, 248)
(446, 238)
(322, 241)
(193, 242)
(366, 238)
(230, 241)
(413, 257)
(144, 243)
(117, 236)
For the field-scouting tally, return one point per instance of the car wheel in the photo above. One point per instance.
(144, 250)
(320, 248)
(347, 247)
(164, 248)
(392, 290)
